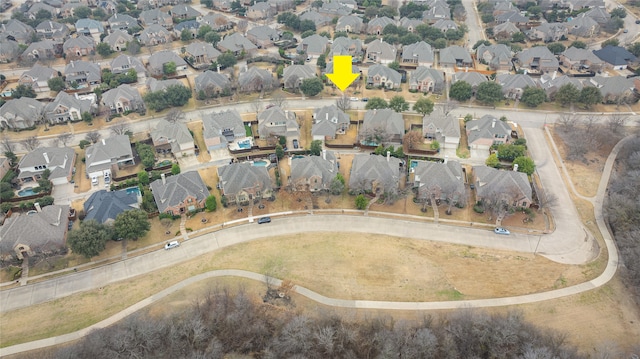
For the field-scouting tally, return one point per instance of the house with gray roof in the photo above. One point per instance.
(548, 32)
(174, 138)
(83, 72)
(154, 35)
(317, 18)
(443, 128)
(455, 56)
(89, 27)
(497, 56)
(222, 5)
(179, 194)
(376, 25)
(282, 5)
(424, 79)
(335, 8)
(121, 22)
(236, 43)
(599, 14)
(329, 121)
(66, 107)
(380, 75)
(381, 126)
(53, 31)
(510, 187)
(155, 17)
(256, 79)
(104, 206)
(191, 26)
(201, 54)
(293, 75)
(123, 99)
(345, 46)
(21, 113)
(614, 89)
(77, 47)
(59, 160)
(313, 173)
(33, 10)
(314, 45)
(183, 12)
(379, 51)
(17, 31)
(486, 132)
(263, 36)
(377, 174)
(410, 24)
(43, 232)
(354, 70)
(583, 26)
(581, 59)
(212, 84)
(439, 181)
(160, 58)
(275, 122)
(537, 60)
(108, 155)
(616, 57)
(445, 24)
(217, 22)
(45, 49)
(219, 129)
(513, 85)
(437, 12)
(118, 40)
(260, 10)
(350, 24)
(124, 63)
(505, 31)
(512, 16)
(472, 78)
(417, 54)
(551, 84)
(10, 50)
(241, 183)
(37, 78)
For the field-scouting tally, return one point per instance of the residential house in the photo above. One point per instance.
(179, 194)
(351, 24)
(191, 26)
(614, 89)
(91, 28)
(439, 181)
(439, 10)
(382, 126)
(67, 107)
(345, 46)
(155, 17)
(237, 44)
(53, 31)
(243, 183)
(9, 50)
(37, 78)
(512, 16)
(583, 26)
(319, 19)
(79, 46)
(201, 54)
(445, 25)
(212, 84)
(455, 56)
(123, 99)
(183, 12)
(160, 58)
(509, 187)
(497, 56)
(548, 32)
(122, 22)
(118, 40)
(174, 138)
(60, 161)
(40, 233)
(505, 31)
(110, 7)
(21, 113)
(217, 22)
(293, 75)
(599, 14)
(17, 31)
(329, 121)
(33, 10)
(417, 54)
(502, 7)
(581, 59)
(335, 9)
(256, 79)
(154, 35)
(105, 157)
(260, 10)
(282, 5)
(424, 79)
(45, 49)
(124, 63)
(616, 57)
(537, 60)
(219, 129)
(275, 122)
(104, 206)
(222, 5)
(263, 36)
(472, 78)
(410, 24)
(379, 51)
(486, 132)
(313, 46)
(377, 174)
(551, 84)
(514, 85)
(382, 76)
(443, 128)
(354, 70)
(68, 10)
(83, 73)
(376, 25)
(313, 173)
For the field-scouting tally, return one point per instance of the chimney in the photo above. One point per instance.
(103, 142)
(164, 179)
(46, 157)
(327, 116)
(388, 155)
(515, 167)
(218, 68)
(555, 73)
(493, 123)
(446, 159)
(38, 208)
(324, 154)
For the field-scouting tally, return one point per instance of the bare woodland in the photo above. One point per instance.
(583, 134)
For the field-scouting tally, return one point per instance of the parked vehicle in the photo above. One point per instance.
(171, 244)
(501, 230)
(264, 220)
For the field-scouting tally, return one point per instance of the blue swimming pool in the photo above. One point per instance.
(261, 163)
(246, 144)
(298, 156)
(26, 192)
(133, 190)
(413, 164)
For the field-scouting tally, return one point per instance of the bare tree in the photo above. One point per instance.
(242, 26)
(7, 145)
(411, 139)
(568, 121)
(256, 105)
(64, 138)
(343, 103)
(120, 128)
(92, 136)
(279, 100)
(615, 121)
(30, 143)
(174, 115)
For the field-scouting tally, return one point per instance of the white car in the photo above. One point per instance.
(501, 230)
(354, 99)
(171, 244)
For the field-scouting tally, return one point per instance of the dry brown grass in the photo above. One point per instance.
(196, 127)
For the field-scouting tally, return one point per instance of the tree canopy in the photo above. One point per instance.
(525, 164)
(316, 148)
(461, 91)
(423, 106)
(311, 87)
(489, 93)
(398, 104)
(533, 96)
(172, 96)
(590, 96)
(132, 224)
(90, 239)
(376, 103)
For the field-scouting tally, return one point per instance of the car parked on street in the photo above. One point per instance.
(262, 220)
(171, 244)
(500, 230)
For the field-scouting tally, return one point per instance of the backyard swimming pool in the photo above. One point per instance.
(133, 190)
(26, 192)
(261, 163)
(245, 144)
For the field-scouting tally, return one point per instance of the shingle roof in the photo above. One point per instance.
(69, 101)
(575, 54)
(127, 62)
(23, 107)
(113, 38)
(367, 168)
(215, 124)
(314, 44)
(384, 71)
(159, 85)
(386, 51)
(276, 121)
(248, 77)
(386, 119)
(177, 188)
(176, 133)
(211, 78)
(83, 42)
(41, 231)
(123, 91)
(104, 206)
(450, 54)
(60, 161)
(234, 178)
(327, 119)
(472, 78)
(420, 50)
(615, 55)
(491, 181)
(515, 81)
(264, 33)
(89, 24)
(40, 73)
(310, 166)
(297, 73)
(236, 42)
(438, 122)
(158, 59)
(542, 52)
(486, 127)
(107, 149)
(91, 69)
(445, 178)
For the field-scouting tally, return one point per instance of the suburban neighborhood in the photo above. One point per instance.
(138, 128)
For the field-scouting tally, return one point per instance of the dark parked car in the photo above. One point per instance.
(295, 144)
(264, 220)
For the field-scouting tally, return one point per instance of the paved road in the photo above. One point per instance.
(473, 22)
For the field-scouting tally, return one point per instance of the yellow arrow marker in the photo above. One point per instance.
(342, 76)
